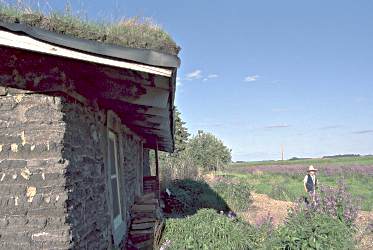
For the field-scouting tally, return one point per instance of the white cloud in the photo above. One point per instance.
(252, 78)
(277, 126)
(194, 75)
(212, 76)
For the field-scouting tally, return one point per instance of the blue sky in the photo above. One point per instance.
(261, 74)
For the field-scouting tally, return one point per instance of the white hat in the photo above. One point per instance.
(311, 168)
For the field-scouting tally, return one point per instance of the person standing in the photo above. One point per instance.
(310, 183)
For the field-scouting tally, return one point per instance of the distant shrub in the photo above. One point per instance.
(209, 230)
(304, 230)
(236, 195)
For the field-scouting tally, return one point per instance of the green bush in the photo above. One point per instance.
(237, 195)
(304, 230)
(193, 195)
(209, 230)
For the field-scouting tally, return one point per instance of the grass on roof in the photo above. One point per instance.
(133, 33)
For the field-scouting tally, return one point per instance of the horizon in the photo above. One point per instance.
(307, 158)
(262, 75)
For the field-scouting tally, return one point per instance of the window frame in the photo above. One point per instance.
(118, 225)
(114, 138)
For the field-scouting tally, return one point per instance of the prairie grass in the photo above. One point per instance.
(132, 32)
(289, 187)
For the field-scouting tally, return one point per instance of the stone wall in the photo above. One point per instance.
(86, 176)
(53, 176)
(131, 180)
(32, 182)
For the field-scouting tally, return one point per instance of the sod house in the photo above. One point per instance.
(79, 112)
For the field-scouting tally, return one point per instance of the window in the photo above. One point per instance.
(113, 162)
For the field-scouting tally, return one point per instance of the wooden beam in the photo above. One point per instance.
(157, 170)
(154, 97)
(156, 161)
(163, 125)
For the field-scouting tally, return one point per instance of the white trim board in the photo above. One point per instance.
(28, 43)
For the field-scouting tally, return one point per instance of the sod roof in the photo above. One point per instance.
(132, 33)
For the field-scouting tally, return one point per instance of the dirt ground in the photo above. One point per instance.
(263, 207)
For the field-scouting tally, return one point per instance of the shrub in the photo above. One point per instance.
(192, 195)
(237, 195)
(210, 230)
(304, 230)
(336, 202)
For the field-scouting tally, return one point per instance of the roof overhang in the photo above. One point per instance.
(141, 93)
(144, 56)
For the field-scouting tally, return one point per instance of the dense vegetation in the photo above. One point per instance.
(208, 152)
(209, 230)
(191, 195)
(201, 224)
(305, 230)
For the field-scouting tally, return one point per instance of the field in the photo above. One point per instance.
(261, 194)
(282, 180)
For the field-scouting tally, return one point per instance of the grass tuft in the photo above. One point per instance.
(133, 32)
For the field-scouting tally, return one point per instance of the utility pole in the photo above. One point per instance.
(282, 152)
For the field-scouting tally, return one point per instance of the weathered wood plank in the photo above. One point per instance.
(139, 226)
(143, 208)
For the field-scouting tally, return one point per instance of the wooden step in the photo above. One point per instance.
(140, 215)
(143, 220)
(146, 196)
(135, 238)
(148, 202)
(144, 208)
(143, 225)
(142, 231)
